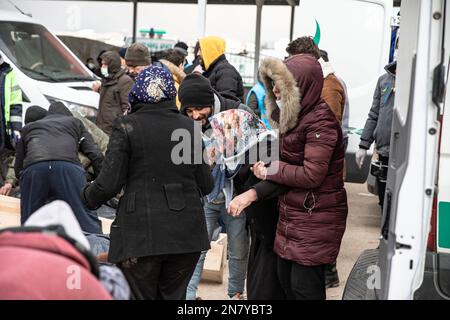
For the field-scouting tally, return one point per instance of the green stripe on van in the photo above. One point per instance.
(444, 225)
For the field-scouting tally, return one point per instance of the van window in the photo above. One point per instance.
(39, 54)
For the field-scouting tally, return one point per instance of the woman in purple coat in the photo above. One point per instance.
(313, 211)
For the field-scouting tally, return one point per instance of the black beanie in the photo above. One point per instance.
(34, 113)
(58, 107)
(195, 91)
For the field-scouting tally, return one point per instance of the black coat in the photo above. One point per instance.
(225, 79)
(262, 215)
(58, 136)
(161, 210)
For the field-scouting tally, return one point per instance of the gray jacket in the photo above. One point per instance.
(346, 113)
(379, 122)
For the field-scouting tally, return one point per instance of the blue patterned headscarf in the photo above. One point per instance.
(153, 85)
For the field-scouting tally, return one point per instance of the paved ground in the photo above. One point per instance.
(362, 233)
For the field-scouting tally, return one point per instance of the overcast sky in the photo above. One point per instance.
(179, 20)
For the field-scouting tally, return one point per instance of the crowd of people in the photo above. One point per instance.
(284, 215)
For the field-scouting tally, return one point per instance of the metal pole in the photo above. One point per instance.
(291, 33)
(202, 18)
(135, 4)
(259, 6)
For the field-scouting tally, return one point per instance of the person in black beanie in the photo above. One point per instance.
(34, 113)
(199, 101)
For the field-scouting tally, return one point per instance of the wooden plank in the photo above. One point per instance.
(106, 225)
(10, 214)
(213, 269)
(9, 205)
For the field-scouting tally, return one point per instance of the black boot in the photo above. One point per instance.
(331, 276)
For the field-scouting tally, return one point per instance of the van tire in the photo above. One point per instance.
(356, 286)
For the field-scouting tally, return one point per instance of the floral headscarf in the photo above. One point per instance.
(234, 132)
(153, 85)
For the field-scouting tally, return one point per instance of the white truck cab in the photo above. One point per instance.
(413, 258)
(46, 69)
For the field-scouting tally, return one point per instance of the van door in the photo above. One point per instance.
(413, 154)
(441, 263)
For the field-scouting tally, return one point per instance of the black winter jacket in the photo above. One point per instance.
(225, 79)
(58, 137)
(161, 210)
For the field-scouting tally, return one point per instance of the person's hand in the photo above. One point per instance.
(198, 69)
(242, 201)
(360, 156)
(259, 170)
(6, 189)
(96, 86)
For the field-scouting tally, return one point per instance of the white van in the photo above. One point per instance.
(413, 257)
(46, 69)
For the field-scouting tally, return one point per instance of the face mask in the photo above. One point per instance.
(104, 72)
(279, 104)
(91, 66)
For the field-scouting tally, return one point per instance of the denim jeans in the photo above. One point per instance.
(238, 248)
(56, 180)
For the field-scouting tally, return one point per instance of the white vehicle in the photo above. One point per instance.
(413, 259)
(46, 69)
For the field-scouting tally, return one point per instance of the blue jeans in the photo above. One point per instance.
(238, 248)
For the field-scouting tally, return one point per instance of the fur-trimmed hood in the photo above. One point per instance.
(176, 72)
(300, 81)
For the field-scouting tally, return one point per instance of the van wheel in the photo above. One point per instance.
(356, 286)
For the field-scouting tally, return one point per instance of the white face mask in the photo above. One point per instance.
(91, 66)
(279, 104)
(104, 71)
